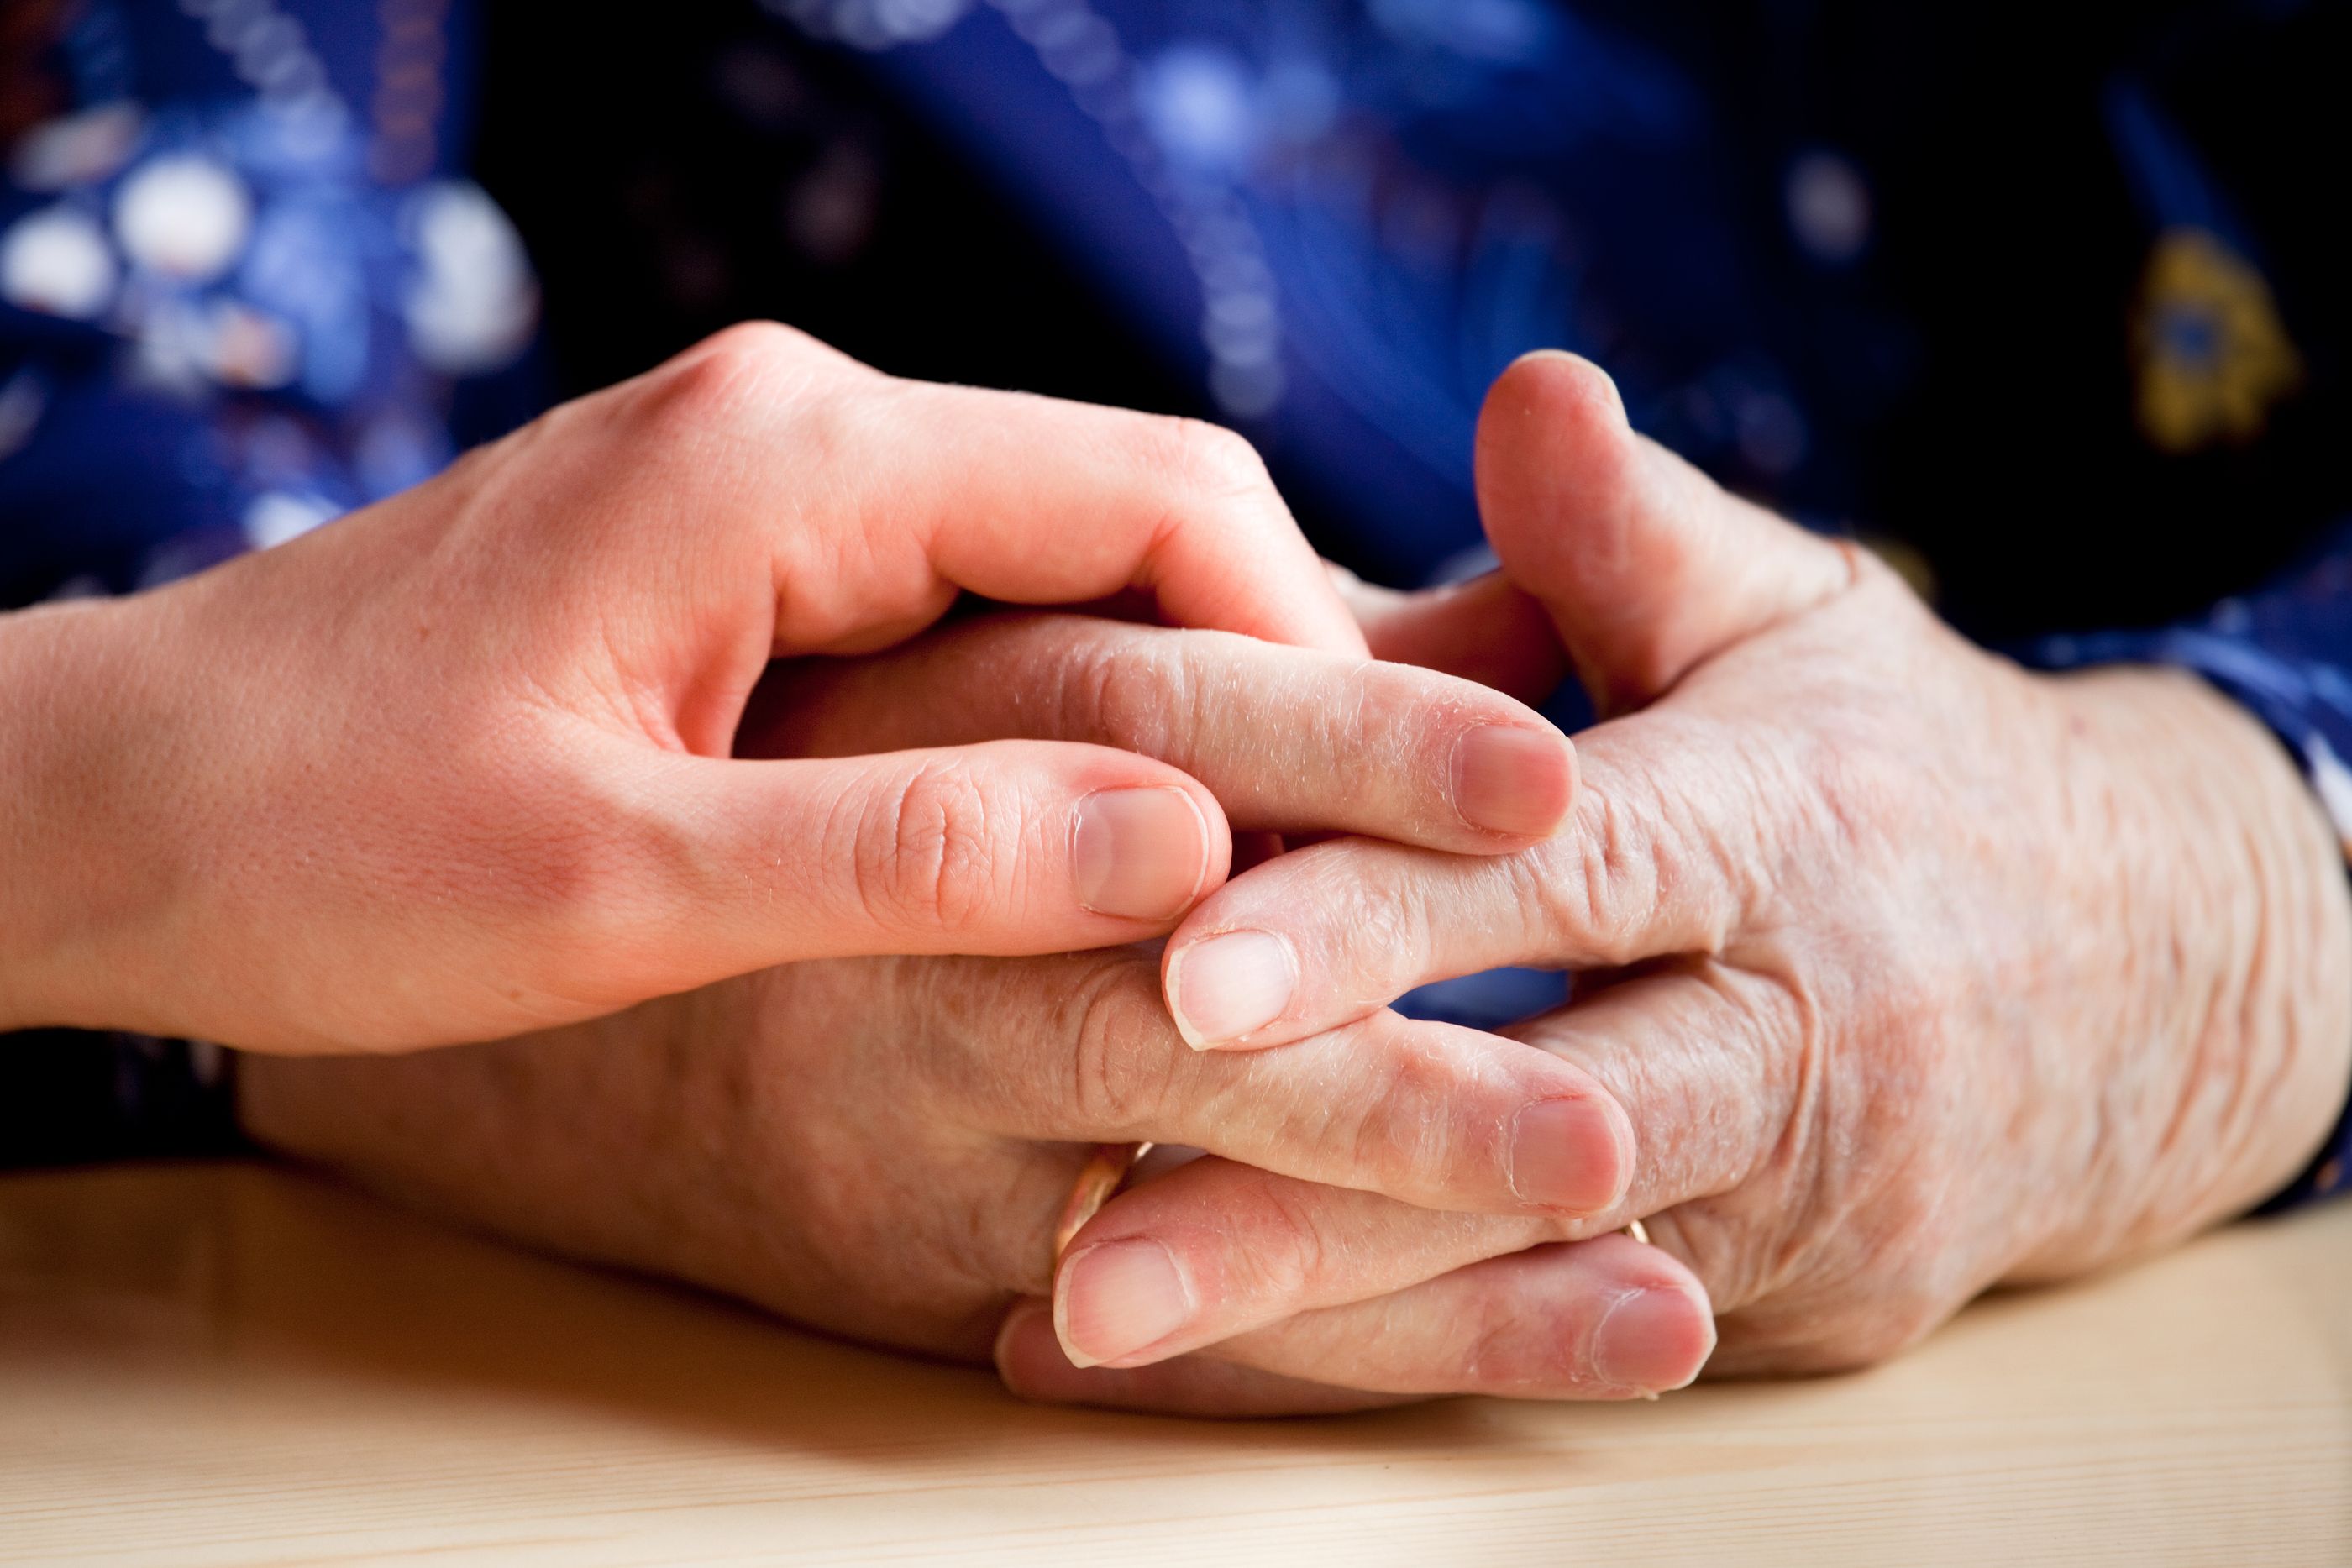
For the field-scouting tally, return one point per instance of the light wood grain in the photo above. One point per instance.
(235, 1364)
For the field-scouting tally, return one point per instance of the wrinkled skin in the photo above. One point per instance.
(1915, 972)
(458, 766)
(882, 1147)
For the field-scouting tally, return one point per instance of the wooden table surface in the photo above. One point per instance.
(235, 1364)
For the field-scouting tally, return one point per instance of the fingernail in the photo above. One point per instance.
(1140, 854)
(1121, 1297)
(1653, 1340)
(1566, 1154)
(1221, 987)
(1511, 779)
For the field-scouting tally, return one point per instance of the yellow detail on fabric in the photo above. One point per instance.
(2211, 355)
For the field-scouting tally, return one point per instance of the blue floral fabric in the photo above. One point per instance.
(242, 289)
(2046, 308)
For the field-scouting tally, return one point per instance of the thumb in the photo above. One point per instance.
(1010, 847)
(1647, 566)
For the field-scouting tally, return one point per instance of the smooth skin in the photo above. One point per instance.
(461, 765)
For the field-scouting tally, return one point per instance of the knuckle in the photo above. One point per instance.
(925, 852)
(1401, 1131)
(1638, 862)
(1210, 474)
(1494, 1340)
(1123, 1054)
(1598, 890)
(1516, 1343)
(1289, 1250)
(1213, 460)
(1140, 698)
(1615, 895)
(750, 366)
(754, 347)
(1387, 929)
(584, 881)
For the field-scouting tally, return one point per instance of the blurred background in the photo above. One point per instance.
(2046, 306)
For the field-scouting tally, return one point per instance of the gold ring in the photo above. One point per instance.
(1640, 1233)
(1098, 1178)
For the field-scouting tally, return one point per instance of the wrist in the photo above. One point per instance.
(65, 766)
(2225, 1061)
(2277, 1041)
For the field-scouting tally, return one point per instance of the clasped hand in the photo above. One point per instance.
(1900, 972)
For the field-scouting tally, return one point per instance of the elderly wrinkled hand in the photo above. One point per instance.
(1916, 972)
(883, 1147)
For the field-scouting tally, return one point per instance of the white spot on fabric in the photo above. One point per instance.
(1829, 207)
(175, 349)
(185, 216)
(56, 261)
(871, 25)
(1199, 107)
(278, 516)
(474, 302)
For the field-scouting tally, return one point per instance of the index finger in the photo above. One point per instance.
(1287, 739)
(1182, 509)
(929, 489)
(1641, 871)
